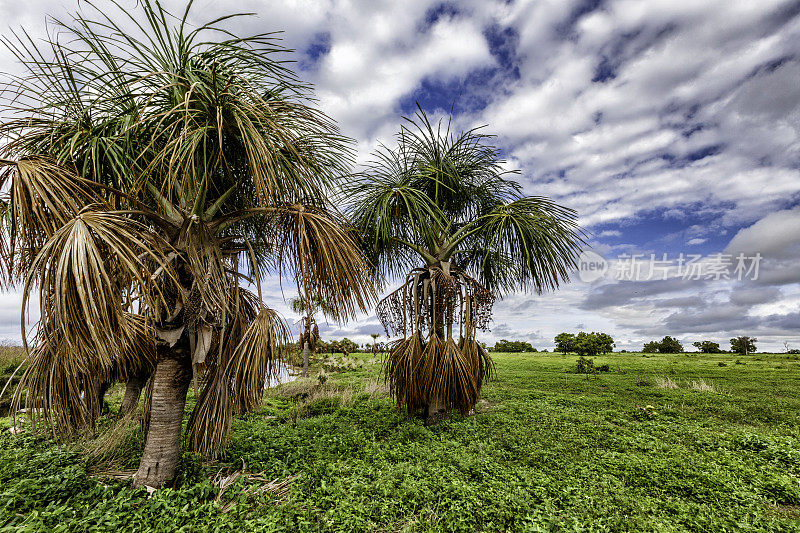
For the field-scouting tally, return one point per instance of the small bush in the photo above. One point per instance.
(584, 365)
(604, 368)
(722, 363)
(738, 362)
(343, 364)
(322, 406)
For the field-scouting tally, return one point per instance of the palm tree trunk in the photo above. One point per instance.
(435, 412)
(133, 390)
(306, 355)
(162, 448)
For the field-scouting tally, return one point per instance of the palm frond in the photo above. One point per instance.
(238, 381)
(43, 197)
(538, 239)
(56, 391)
(83, 273)
(314, 245)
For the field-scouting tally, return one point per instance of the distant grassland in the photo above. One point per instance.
(657, 443)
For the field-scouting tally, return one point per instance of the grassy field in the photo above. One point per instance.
(658, 443)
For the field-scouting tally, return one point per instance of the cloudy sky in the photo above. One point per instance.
(673, 127)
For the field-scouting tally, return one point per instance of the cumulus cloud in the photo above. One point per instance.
(670, 126)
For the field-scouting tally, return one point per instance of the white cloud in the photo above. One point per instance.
(679, 108)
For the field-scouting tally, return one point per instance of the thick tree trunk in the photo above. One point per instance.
(133, 390)
(162, 447)
(306, 355)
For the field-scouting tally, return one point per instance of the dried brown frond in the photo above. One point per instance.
(42, 197)
(447, 377)
(402, 370)
(237, 383)
(83, 273)
(318, 249)
(57, 388)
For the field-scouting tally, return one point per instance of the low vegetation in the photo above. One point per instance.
(547, 449)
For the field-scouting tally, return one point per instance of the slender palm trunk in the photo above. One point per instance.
(162, 448)
(306, 355)
(133, 390)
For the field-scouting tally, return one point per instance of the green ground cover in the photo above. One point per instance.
(657, 443)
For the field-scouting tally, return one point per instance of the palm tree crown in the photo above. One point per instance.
(439, 209)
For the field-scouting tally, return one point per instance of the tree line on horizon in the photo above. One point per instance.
(593, 343)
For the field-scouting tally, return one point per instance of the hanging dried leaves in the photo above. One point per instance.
(428, 366)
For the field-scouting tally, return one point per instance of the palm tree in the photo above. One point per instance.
(308, 307)
(439, 210)
(374, 342)
(153, 172)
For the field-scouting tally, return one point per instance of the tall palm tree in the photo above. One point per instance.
(308, 307)
(153, 171)
(439, 210)
(374, 342)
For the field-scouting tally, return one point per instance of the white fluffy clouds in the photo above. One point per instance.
(655, 103)
(617, 108)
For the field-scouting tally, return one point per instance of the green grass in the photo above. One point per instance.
(547, 450)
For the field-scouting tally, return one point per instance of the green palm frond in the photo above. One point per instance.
(529, 242)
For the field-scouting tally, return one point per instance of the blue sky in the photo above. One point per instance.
(671, 126)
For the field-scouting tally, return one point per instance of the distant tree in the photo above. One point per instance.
(348, 346)
(374, 341)
(587, 344)
(670, 345)
(651, 347)
(307, 307)
(707, 347)
(564, 342)
(743, 345)
(606, 342)
(513, 346)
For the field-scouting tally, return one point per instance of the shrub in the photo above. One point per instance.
(584, 365)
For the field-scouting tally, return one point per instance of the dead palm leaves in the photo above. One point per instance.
(435, 370)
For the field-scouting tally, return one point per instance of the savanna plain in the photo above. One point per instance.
(659, 442)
